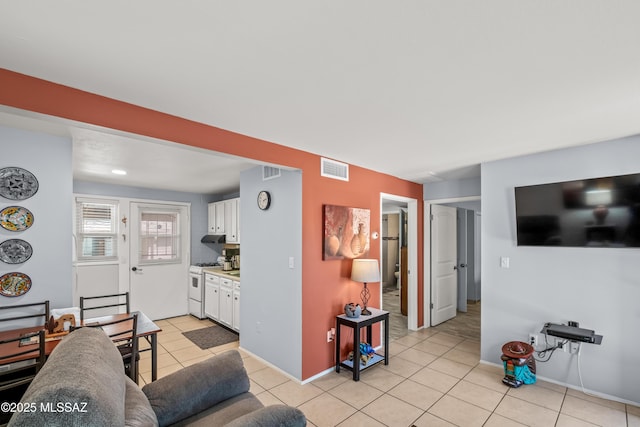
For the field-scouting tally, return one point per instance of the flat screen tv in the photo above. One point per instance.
(595, 212)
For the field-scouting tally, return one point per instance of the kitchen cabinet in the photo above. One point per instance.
(232, 220)
(212, 296)
(236, 306)
(216, 218)
(226, 302)
(224, 218)
(222, 299)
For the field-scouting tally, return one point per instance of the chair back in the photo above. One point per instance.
(14, 316)
(21, 357)
(123, 333)
(107, 304)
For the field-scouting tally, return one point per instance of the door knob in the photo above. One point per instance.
(136, 269)
(463, 265)
(455, 267)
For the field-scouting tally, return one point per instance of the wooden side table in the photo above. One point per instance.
(357, 324)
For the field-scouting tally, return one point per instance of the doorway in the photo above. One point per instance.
(465, 321)
(398, 260)
(159, 258)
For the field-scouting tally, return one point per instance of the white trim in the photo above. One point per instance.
(571, 386)
(453, 200)
(286, 374)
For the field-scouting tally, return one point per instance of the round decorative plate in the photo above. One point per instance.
(15, 251)
(14, 284)
(16, 218)
(17, 183)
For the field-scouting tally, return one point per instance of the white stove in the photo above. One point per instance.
(196, 288)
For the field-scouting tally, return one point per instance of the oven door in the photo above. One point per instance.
(195, 286)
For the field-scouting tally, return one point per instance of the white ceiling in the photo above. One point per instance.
(418, 89)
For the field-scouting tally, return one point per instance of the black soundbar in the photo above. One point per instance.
(572, 333)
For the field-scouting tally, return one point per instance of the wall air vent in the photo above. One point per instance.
(269, 172)
(333, 169)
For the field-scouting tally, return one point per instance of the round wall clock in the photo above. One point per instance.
(264, 200)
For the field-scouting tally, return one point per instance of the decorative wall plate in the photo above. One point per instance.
(16, 218)
(17, 183)
(15, 251)
(14, 284)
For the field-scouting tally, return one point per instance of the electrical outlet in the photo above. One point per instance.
(533, 339)
(574, 347)
(329, 336)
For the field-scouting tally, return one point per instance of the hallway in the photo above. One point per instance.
(464, 325)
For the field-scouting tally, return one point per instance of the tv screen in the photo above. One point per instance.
(596, 212)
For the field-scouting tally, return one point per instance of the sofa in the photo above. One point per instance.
(83, 384)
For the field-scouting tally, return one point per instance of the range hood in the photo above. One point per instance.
(214, 238)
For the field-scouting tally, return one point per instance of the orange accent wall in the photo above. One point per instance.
(325, 284)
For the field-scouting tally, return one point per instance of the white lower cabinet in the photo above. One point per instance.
(212, 296)
(236, 306)
(226, 302)
(222, 300)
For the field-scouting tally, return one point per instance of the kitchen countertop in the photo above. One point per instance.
(231, 274)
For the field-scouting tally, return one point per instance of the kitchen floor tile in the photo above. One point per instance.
(326, 410)
(526, 412)
(416, 394)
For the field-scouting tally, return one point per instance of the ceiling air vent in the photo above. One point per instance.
(269, 172)
(333, 169)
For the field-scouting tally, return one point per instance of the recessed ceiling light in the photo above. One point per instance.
(118, 172)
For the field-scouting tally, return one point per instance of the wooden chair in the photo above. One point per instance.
(104, 301)
(24, 311)
(123, 333)
(20, 364)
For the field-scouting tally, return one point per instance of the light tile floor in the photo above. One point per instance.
(433, 379)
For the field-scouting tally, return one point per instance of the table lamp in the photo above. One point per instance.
(365, 271)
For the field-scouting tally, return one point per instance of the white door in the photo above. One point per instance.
(159, 260)
(462, 259)
(444, 277)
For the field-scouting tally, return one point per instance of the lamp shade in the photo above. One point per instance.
(365, 270)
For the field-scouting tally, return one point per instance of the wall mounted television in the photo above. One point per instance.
(594, 212)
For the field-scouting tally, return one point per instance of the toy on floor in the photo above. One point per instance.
(366, 353)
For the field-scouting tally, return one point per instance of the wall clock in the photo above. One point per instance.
(264, 200)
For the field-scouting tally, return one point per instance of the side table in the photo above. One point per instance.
(357, 324)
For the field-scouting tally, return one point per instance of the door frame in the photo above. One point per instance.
(427, 250)
(412, 261)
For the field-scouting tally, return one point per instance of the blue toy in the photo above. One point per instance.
(366, 353)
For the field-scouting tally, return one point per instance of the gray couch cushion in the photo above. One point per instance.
(273, 415)
(197, 387)
(137, 410)
(224, 412)
(84, 374)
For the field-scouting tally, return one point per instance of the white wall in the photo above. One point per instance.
(49, 159)
(271, 296)
(598, 287)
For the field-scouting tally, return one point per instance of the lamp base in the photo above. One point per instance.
(365, 312)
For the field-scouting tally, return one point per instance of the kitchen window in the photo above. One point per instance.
(159, 237)
(96, 230)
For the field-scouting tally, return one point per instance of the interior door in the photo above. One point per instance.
(444, 277)
(159, 261)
